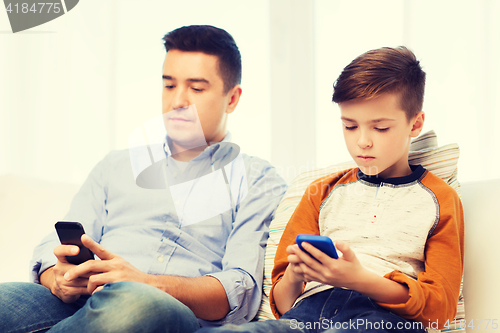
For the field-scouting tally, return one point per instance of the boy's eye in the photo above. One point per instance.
(169, 87)
(382, 129)
(350, 128)
(197, 89)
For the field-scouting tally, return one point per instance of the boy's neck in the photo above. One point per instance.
(396, 171)
(416, 171)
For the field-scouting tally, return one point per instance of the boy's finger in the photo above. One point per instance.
(314, 253)
(347, 252)
(292, 249)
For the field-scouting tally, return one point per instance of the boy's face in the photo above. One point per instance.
(378, 134)
(192, 78)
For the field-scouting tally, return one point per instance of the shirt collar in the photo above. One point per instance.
(417, 172)
(208, 150)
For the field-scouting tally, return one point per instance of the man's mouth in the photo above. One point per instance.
(366, 158)
(179, 119)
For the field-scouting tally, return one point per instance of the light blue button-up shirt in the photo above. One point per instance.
(211, 219)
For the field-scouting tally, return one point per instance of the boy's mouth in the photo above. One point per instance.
(366, 158)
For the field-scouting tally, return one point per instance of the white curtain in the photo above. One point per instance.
(74, 88)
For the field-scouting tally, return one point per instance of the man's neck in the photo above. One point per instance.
(186, 155)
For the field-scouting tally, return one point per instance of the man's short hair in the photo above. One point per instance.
(213, 41)
(384, 70)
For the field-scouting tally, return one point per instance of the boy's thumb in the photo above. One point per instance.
(347, 253)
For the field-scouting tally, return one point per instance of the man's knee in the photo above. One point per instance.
(126, 306)
(30, 306)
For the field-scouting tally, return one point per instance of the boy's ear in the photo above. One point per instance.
(417, 124)
(234, 97)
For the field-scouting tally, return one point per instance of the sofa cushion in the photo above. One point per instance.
(424, 150)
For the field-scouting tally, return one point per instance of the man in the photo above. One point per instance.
(180, 230)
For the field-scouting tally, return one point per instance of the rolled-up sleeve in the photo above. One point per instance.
(87, 207)
(243, 262)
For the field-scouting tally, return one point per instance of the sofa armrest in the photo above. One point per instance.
(481, 201)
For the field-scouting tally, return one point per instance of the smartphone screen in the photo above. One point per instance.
(70, 233)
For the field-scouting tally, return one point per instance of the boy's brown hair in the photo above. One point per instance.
(384, 70)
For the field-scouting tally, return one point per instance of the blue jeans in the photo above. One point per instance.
(118, 307)
(332, 310)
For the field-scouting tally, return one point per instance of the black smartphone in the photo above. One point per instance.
(70, 233)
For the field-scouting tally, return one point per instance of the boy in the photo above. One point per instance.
(175, 259)
(398, 226)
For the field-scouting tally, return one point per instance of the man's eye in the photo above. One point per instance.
(382, 129)
(169, 87)
(197, 89)
(351, 128)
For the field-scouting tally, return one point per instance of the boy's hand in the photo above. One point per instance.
(346, 271)
(294, 269)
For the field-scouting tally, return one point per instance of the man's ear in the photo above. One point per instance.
(417, 124)
(233, 98)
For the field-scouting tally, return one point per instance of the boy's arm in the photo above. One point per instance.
(287, 289)
(304, 220)
(434, 295)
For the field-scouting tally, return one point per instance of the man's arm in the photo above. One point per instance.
(87, 207)
(204, 295)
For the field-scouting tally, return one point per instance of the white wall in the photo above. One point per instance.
(74, 88)
(458, 44)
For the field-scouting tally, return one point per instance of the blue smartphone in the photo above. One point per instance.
(322, 243)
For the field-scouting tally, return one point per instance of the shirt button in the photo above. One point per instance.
(160, 258)
(175, 174)
(176, 202)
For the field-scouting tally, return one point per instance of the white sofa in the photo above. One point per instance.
(30, 207)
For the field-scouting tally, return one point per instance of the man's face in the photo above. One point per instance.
(192, 78)
(378, 134)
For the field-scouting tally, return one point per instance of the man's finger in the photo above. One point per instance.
(62, 251)
(97, 289)
(97, 248)
(86, 269)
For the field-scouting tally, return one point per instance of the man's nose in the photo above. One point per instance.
(180, 99)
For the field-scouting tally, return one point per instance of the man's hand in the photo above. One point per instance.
(111, 268)
(53, 277)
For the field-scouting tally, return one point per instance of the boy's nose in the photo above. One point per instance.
(364, 141)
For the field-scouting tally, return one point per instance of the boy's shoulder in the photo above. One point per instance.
(438, 186)
(322, 186)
